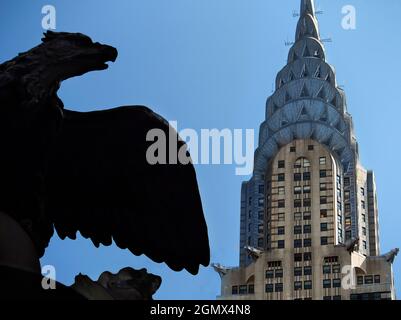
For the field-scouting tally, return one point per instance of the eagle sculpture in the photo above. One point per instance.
(87, 172)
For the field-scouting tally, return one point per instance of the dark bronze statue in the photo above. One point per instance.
(87, 172)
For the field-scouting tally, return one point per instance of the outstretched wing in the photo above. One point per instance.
(99, 183)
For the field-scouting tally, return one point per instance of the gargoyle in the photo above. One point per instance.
(221, 270)
(254, 253)
(87, 172)
(390, 256)
(352, 244)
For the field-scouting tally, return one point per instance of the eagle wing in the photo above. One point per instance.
(98, 182)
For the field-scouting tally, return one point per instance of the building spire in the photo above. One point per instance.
(307, 24)
(307, 7)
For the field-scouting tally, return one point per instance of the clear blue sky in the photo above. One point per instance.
(211, 64)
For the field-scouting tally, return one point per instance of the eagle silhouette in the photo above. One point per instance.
(72, 171)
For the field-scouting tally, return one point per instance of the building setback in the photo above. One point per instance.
(309, 218)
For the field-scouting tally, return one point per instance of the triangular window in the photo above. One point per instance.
(304, 72)
(318, 73)
(306, 52)
(304, 92)
(321, 94)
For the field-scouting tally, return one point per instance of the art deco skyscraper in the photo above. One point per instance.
(309, 218)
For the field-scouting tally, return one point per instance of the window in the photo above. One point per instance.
(269, 274)
(307, 228)
(281, 191)
(251, 289)
(323, 213)
(281, 164)
(323, 173)
(261, 202)
(261, 188)
(307, 202)
(297, 229)
(274, 264)
(261, 215)
(330, 259)
(298, 164)
(377, 278)
(336, 268)
(369, 280)
(298, 257)
(346, 181)
(281, 203)
(323, 187)
(307, 189)
(363, 204)
(308, 271)
(322, 161)
(243, 289)
(280, 230)
(363, 191)
(297, 190)
(297, 203)
(308, 285)
(307, 243)
(297, 272)
(293, 149)
(297, 243)
(297, 177)
(307, 256)
(306, 163)
(306, 176)
(324, 241)
(326, 269)
(281, 177)
(279, 287)
(323, 227)
(364, 231)
(327, 283)
(260, 228)
(364, 217)
(310, 147)
(279, 273)
(269, 288)
(298, 215)
(336, 283)
(280, 244)
(347, 195)
(347, 208)
(323, 200)
(359, 280)
(365, 246)
(336, 297)
(307, 215)
(234, 290)
(348, 222)
(250, 201)
(297, 285)
(326, 298)
(260, 243)
(281, 217)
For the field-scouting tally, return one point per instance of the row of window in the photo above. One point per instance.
(307, 243)
(299, 203)
(327, 269)
(306, 284)
(277, 273)
(329, 283)
(243, 289)
(277, 287)
(299, 271)
(368, 279)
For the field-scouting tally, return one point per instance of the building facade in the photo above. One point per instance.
(309, 218)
